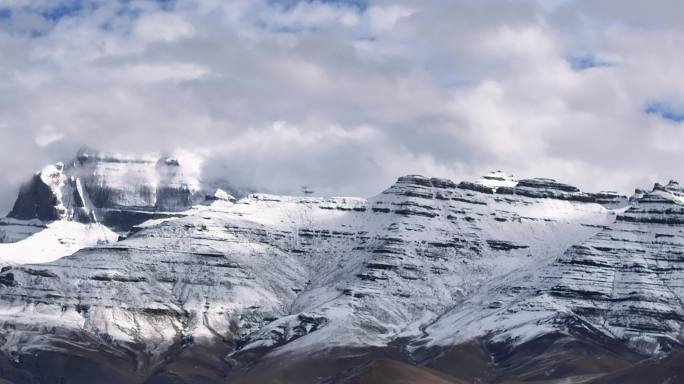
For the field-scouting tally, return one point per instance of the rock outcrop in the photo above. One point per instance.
(116, 190)
(92, 200)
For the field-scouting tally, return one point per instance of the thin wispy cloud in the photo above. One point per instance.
(347, 95)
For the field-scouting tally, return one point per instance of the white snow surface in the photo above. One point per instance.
(428, 260)
(624, 282)
(83, 191)
(301, 273)
(58, 239)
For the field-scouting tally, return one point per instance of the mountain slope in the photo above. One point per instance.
(624, 284)
(277, 276)
(499, 280)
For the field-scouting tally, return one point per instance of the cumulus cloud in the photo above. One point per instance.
(347, 95)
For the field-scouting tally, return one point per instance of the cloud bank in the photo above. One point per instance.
(345, 96)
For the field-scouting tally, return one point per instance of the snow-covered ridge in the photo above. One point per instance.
(56, 239)
(625, 282)
(300, 273)
(498, 179)
(428, 263)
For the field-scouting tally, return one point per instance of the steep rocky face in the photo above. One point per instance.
(37, 199)
(113, 189)
(92, 200)
(624, 283)
(503, 184)
(628, 278)
(274, 274)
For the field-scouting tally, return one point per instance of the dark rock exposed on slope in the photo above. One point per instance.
(525, 280)
(118, 191)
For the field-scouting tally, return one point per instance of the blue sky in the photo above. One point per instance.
(665, 111)
(60, 11)
(580, 63)
(345, 96)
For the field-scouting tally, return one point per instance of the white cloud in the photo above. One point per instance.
(383, 18)
(162, 27)
(47, 138)
(345, 97)
(150, 73)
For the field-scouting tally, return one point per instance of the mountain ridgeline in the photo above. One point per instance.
(496, 280)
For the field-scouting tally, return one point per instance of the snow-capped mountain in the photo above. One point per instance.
(521, 278)
(93, 199)
(625, 282)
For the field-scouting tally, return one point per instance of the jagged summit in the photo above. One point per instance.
(672, 190)
(671, 186)
(93, 199)
(104, 187)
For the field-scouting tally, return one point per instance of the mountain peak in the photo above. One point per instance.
(672, 192)
(672, 186)
(94, 185)
(497, 179)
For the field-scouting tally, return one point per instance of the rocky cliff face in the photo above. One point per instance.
(287, 274)
(624, 283)
(116, 190)
(92, 200)
(628, 278)
(424, 269)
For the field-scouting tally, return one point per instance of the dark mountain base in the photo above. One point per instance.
(72, 364)
(549, 359)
